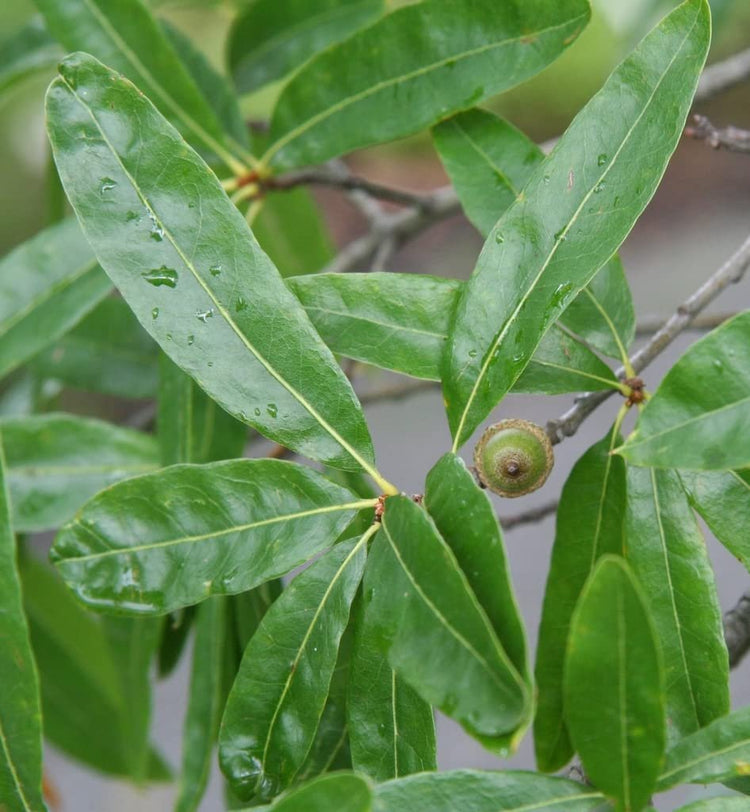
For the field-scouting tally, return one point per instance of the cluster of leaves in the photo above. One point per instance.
(340, 671)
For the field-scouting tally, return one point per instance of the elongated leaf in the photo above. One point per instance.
(423, 613)
(26, 51)
(723, 500)
(202, 530)
(391, 729)
(479, 791)
(698, 416)
(344, 792)
(589, 524)
(401, 321)
(174, 636)
(718, 752)
(20, 716)
(46, 286)
(268, 40)
(614, 686)
(411, 69)
(489, 162)
(667, 553)
(716, 805)
(107, 352)
(278, 697)
(191, 271)
(57, 461)
(125, 36)
(551, 242)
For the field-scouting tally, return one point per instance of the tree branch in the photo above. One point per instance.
(737, 630)
(530, 516)
(730, 138)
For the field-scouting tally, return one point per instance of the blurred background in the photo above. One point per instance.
(699, 216)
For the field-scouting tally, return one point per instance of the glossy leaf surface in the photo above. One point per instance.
(20, 714)
(190, 269)
(268, 39)
(699, 415)
(47, 285)
(614, 686)
(412, 68)
(438, 638)
(58, 461)
(275, 705)
(589, 524)
(26, 51)
(667, 553)
(344, 792)
(551, 242)
(229, 526)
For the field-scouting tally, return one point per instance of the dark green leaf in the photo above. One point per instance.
(107, 352)
(57, 461)
(20, 716)
(575, 211)
(174, 636)
(411, 69)
(190, 269)
(718, 752)
(614, 686)
(438, 638)
(125, 36)
(159, 542)
(474, 791)
(344, 792)
(25, 52)
(46, 286)
(667, 553)
(698, 416)
(276, 702)
(391, 730)
(589, 525)
(268, 39)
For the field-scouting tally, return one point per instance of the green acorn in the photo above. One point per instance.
(513, 457)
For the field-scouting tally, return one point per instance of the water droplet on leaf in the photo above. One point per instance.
(161, 276)
(155, 313)
(600, 187)
(205, 315)
(215, 270)
(157, 232)
(241, 304)
(190, 340)
(602, 159)
(499, 238)
(272, 409)
(107, 184)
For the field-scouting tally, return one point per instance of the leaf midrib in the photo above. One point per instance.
(704, 757)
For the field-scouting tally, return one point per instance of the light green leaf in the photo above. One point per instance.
(698, 416)
(717, 805)
(667, 553)
(589, 525)
(275, 705)
(268, 40)
(553, 240)
(47, 285)
(344, 792)
(614, 686)
(58, 461)
(423, 612)
(189, 267)
(412, 68)
(202, 530)
(20, 715)
(26, 51)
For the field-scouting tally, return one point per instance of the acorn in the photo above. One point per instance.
(513, 457)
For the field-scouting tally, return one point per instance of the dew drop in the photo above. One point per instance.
(205, 315)
(602, 159)
(132, 215)
(241, 304)
(718, 365)
(272, 409)
(472, 353)
(215, 270)
(106, 185)
(190, 340)
(210, 363)
(499, 239)
(560, 236)
(161, 276)
(600, 187)
(157, 232)
(155, 313)
(546, 178)
(257, 411)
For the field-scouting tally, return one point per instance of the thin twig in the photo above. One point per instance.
(398, 391)
(530, 516)
(730, 138)
(737, 630)
(648, 326)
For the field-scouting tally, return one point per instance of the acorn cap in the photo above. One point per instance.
(513, 457)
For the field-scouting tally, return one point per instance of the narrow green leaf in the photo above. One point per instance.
(275, 705)
(614, 686)
(202, 530)
(20, 715)
(697, 417)
(423, 613)
(571, 217)
(718, 752)
(47, 285)
(126, 37)
(401, 322)
(489, 162)
(479, 791)
(722, 498)
(205, 704)
(107, 352)
(391, 729)
(387, 76)
(667, 553)
(344, 792)
(268, 40)
(188, 266)
(716, 805)
(26, 51)
(174, 636)
(58, 461)
(589, 525)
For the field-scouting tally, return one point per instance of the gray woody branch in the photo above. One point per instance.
(731, 138)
